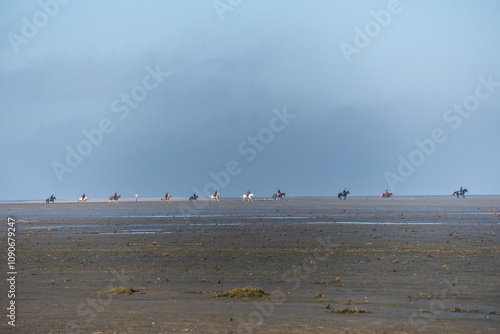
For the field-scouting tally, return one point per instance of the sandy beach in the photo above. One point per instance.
(363, 265)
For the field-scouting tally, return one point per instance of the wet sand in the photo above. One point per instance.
(412, 265)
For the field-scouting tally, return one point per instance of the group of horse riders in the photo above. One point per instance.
(278, 193)
(215, 194)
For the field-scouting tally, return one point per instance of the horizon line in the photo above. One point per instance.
(144, 199)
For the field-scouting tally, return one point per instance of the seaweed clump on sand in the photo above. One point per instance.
(121, 291)
(349, 311)
(247, 292)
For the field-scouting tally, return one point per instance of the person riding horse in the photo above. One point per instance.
(166, 196)
(50, 199)
(115, 196)
(344, 194)
(83, 196)
(248, 192)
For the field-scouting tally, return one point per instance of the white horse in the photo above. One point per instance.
(248, 197)
(82, 200)
(215, 197)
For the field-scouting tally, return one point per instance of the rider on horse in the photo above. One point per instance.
(115, 196)
(387, 192)
(83, 196)
(166, 196)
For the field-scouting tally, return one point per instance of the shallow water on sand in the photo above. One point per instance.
(160, 217)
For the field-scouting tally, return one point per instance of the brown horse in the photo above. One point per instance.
(278, 196)
(113, 198)
(384, 195)
(166, 198)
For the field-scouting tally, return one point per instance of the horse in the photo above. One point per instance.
(384, 195)
(343, 194)
(248, 197)
(113, 198)
(50, 199)
(215, 197)
(458, 193)
(278, 196)
(166, 198)
(194, 198)
(82, 200)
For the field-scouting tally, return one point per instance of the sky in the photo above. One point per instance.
(309, 97)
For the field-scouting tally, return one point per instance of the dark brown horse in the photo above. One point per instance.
(459, 193)
(343, 194)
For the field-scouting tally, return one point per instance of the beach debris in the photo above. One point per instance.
(244, 293)
(121, 291)
(427, 295)
(349, 311)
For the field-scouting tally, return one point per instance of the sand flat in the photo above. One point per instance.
(411, 264)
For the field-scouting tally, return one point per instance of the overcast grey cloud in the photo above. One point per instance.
(69, 66)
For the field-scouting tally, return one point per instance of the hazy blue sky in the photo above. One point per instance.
(306, 96)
